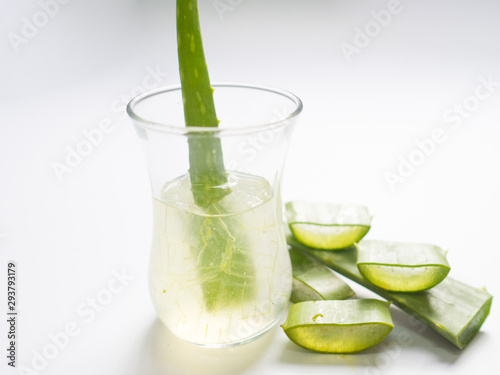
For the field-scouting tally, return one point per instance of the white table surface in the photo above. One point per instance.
(70, 236)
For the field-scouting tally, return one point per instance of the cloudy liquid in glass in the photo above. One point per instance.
(222, 275)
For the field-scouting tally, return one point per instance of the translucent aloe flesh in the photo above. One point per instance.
(222, 239)
(338, 326)
(326, 225)
(402, 267)
(313, 281)
(453, 309)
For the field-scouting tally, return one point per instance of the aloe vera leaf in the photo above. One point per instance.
(220, 239)
(227, 270)
(313, 281)
(453, 309)
(338, 326)
(206, 163)
(402, 267)
(327, 226)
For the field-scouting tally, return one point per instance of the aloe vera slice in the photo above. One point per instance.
(338, 326)
(327, 226)
(402, 267)
(453, 309)
(313, 281)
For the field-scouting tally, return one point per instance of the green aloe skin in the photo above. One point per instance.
(337, 326)
(206, 162)
(227, 270)
(312, 281)
(453, 309)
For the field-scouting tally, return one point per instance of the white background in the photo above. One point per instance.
(69, 234)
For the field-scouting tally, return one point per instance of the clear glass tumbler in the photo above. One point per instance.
(220, 273)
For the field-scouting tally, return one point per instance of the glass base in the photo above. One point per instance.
(233, 344)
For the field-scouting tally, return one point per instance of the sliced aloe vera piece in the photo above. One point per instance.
(453, 309)
(327, 226)
(402, 267)
(338, 326)
(313, 281)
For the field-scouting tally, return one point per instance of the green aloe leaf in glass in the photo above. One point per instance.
(228, 272)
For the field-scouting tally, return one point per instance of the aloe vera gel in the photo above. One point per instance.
(223, 276)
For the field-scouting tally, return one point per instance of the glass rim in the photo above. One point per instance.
(184, 130)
